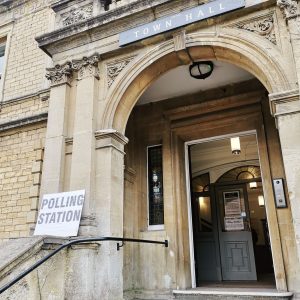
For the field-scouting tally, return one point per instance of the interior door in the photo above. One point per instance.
(235, 237)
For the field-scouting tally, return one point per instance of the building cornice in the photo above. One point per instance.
(125, 17)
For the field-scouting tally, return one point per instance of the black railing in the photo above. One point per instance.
(74, 242)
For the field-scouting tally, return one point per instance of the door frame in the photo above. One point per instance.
(270, 206)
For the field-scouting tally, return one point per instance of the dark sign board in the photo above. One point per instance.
(189, 16)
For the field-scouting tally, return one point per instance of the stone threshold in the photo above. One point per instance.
(234, 292)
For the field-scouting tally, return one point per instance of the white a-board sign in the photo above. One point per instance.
(60, 214)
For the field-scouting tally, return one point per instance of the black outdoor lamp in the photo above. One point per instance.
(201, 69)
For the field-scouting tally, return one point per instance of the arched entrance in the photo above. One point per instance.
(269, 68)
(139, 75)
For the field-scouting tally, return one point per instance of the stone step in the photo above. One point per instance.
(232, 294)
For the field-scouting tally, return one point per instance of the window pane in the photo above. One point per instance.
(155, 186)
(2, 49)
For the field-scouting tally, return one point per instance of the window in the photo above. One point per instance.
(2, 52)
(155, 188)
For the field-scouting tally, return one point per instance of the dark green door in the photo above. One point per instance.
(223, 244)
(235, 236)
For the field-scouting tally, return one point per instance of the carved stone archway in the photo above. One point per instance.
(246, 52)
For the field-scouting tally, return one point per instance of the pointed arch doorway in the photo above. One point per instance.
(228, 217)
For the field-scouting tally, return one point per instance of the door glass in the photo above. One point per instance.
(205, 218)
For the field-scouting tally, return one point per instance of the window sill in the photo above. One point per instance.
(156, 228)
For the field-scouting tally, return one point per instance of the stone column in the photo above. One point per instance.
(286, 109)
(109, 210)
(80, 281)
(53, 167)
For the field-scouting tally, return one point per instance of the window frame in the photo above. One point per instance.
(5, 34)
(156, 227)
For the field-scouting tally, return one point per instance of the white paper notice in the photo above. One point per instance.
(60, 214)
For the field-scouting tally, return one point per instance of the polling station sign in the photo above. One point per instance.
(60, 214)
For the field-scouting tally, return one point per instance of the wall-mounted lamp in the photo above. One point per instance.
(235, 145)
(261, 200)
(201, 69)
(253, 185)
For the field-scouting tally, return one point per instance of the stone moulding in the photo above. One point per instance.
(285, 103)
(110, 138)
(24, 122)
(288, 8)
(111, 133)
(263, 26)
(115, 68)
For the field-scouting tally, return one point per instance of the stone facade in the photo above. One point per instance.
(72, 129)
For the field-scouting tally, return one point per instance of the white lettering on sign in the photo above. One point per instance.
(204, 11)
(60, 214)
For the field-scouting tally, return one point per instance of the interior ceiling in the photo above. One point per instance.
(205, 156)
(178, 82)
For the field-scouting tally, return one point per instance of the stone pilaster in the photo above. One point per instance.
(83, 261)
(110, 202)
(286, 109)
(53, 167)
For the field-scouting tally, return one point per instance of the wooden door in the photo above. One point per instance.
(235, 236)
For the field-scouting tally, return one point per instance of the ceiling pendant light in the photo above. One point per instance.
(235, 145)
(201, 69)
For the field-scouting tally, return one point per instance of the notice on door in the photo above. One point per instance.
(234, 223)
(232, 203)
(60, 214)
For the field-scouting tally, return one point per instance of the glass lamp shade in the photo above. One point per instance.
(235, 145)
(253, 185)
(201, 69)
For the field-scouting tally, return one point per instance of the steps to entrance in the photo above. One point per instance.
(232, 294)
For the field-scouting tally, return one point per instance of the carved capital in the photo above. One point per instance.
(288, 8)
(87, 66)
(60, 74)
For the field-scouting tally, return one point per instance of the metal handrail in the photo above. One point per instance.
(73, 242)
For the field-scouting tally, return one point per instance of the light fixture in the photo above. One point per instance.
(261, 200)
(253, 185)
(201, 69)
(235, 145)
(201, 201)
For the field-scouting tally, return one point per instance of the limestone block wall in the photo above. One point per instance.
(19, 150)
(25, 62)
(23, 114)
